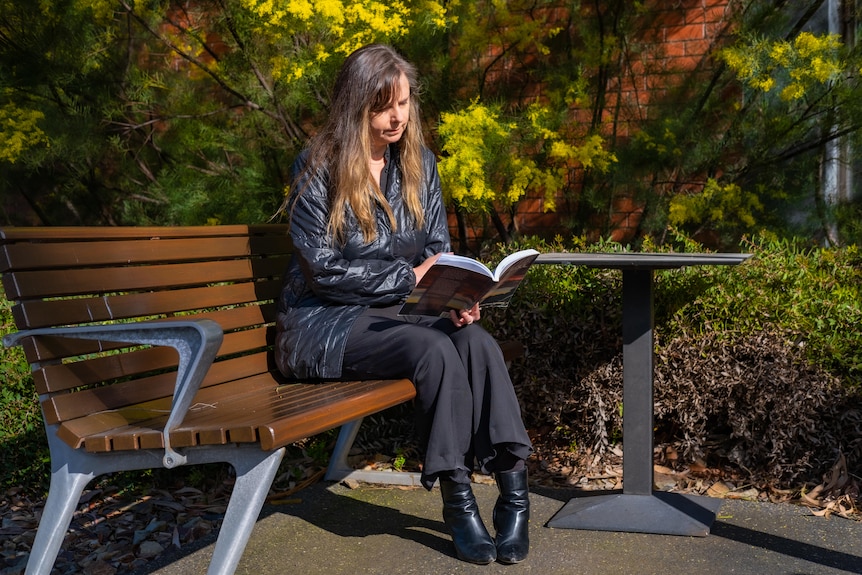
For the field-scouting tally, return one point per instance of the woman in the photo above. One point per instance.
(367, 221)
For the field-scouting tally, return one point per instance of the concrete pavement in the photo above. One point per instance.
(330, 529)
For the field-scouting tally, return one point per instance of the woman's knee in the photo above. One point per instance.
(474, 338)
(423, 344)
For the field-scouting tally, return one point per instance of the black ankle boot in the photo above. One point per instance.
(472, 541)
(512, 517)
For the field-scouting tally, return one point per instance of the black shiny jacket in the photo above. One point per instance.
(327, 286)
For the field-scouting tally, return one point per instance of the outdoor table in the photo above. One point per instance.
(639, 508)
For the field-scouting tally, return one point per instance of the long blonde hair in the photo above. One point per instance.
(366, 85)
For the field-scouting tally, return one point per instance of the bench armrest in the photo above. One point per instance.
(197, 342)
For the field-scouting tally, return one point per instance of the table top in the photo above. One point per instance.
(641, 260)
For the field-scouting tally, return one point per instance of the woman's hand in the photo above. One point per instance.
(465, 316)
(423, 268)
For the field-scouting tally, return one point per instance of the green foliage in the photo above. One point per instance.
(318, 447)
(25, 458)
(491, 35)
(400, 460)
(790, 286)
(484, 163)
(762, 153)
(476, 143)
(849, 218)
(19, 130)
(787, 286)
(191, 113)
(171, 113)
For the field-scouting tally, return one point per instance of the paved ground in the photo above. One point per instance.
(383, 530)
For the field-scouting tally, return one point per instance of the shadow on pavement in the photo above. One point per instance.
(790, 547)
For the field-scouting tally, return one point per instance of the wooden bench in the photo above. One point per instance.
(152, 346)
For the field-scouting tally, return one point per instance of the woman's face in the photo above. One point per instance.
(388, 126)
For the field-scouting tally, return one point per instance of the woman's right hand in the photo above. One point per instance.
(423, 268)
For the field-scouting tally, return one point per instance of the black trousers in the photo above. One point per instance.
(466, 408)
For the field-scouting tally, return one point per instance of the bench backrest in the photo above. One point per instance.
(65, 276)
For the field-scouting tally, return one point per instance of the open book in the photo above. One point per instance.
(457, 282)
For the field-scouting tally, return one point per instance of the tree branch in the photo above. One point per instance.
(247, 102)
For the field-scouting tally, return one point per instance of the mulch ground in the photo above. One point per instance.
(120, 531)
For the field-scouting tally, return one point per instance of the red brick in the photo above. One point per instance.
(706, 15)
(684, 32)
(668, 17)
(674, 49)
(715, 3)
(696, 47)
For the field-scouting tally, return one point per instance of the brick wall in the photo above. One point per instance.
(677, 38)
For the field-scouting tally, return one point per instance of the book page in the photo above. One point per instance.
(511, 278)
(465, 263)
(511, 259)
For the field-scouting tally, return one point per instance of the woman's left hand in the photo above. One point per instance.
(465, 316)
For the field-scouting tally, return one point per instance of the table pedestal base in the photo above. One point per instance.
(661, 512)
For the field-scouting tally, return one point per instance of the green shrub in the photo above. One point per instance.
(25, 460)
(766, 356)
(814, 294)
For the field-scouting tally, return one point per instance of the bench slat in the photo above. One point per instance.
(48, 349)
(38, 313)
(67, 255)
(295, 411)
(74, 431)
(310, 421)
(73, 282)
(98, 233)
(95, 431)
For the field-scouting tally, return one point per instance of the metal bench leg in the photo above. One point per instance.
(338, 468)
(255, 471)
(71, 471)
(63, 496)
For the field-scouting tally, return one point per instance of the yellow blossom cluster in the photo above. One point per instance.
(487, 160)
(471, 136)
(347, 25)
(19, 131)
(717, 202)
(793, 66)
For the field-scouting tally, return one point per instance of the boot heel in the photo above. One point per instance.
(472, 541)
(512, 517)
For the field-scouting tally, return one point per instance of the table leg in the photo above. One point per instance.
(638, 508)
(638, 351)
